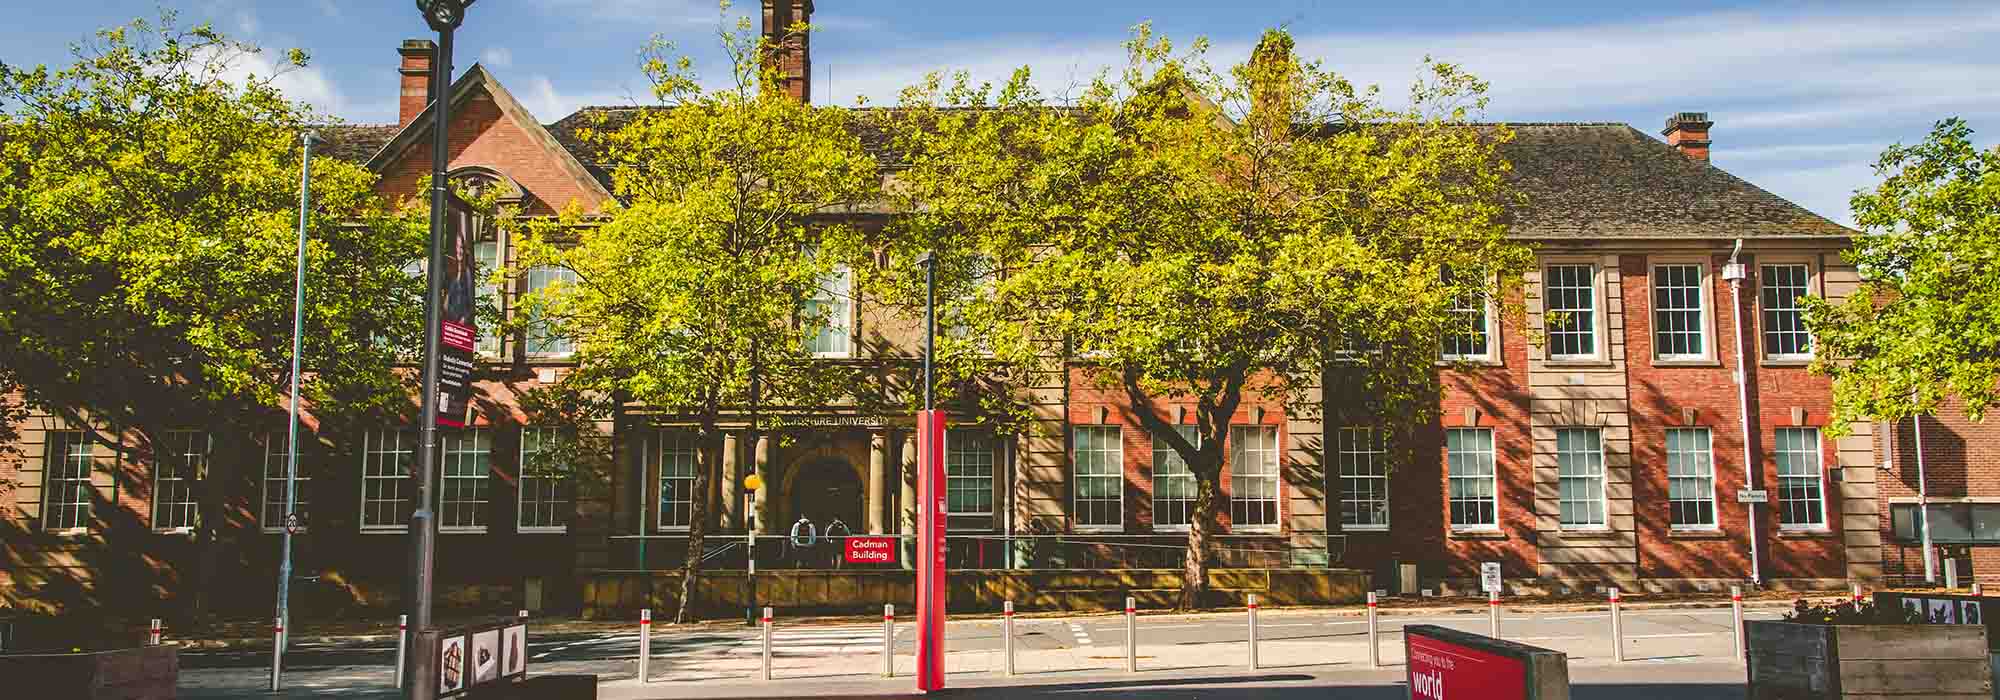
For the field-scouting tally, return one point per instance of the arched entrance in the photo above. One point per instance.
(826, 490)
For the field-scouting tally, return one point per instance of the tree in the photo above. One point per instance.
(691, 293)
(1192, 236)
(1925, 324)
(147, 236)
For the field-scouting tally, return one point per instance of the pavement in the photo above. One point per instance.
(1670, 653)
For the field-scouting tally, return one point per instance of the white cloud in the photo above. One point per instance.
(497, 57)
(542, 99)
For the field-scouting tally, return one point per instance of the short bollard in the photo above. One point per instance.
(1253, 631)
(767, 644)
(1856, 589)
(645, 645)
(1977, 589)
(1493, 614)
(1951, 573)
(1374, 635)
(153, 633)
(1736, 613)
(1007, 637)
(1617, 627)
(889, 641)
(277, 653)
(1131, 635)
(402, 646)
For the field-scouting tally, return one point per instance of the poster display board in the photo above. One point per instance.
(469, 657)
(1948, 609)
(1447, 664)
(458, 331)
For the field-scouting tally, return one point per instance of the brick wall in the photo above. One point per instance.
(1961, 464)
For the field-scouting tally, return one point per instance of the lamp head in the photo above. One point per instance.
(443, 15)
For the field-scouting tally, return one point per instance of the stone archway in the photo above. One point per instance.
(824, 489)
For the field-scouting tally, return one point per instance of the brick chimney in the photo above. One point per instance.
(791, 54)
(1688, 132)
(416, 82)
(1273, 81)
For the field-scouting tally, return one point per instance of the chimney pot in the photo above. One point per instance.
(1688, 133)
(415, 84)
(790, 54)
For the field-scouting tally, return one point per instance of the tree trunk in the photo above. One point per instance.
(1195, 588)
(707, 462)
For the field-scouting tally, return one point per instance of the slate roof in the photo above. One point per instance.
(354, 143)
(1578, 179)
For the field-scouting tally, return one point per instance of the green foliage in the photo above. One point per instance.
(1848, 612)
(1925, 324)
(1196, 234)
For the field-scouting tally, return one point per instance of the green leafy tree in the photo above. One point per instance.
(147, 234)
(690, 293)
(1193, 236)
(1925, 324)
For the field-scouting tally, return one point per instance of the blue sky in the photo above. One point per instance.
(1803, 94)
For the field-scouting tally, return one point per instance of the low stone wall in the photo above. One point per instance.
(609, 594)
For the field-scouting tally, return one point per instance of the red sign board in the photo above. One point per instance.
(871, 550)
(1441, 670)
(930, 550)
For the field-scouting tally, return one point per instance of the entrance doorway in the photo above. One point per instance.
(825, 491)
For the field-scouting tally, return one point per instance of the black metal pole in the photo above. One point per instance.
(423, 527)
(930, 322)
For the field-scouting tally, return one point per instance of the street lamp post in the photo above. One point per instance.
(444, 16)
(284, 616)
(931, 520)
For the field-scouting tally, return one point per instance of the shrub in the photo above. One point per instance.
(1851, 613)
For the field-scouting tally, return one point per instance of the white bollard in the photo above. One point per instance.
(645, 645)
(1951, 573)
(277, 653)
(1856, 589)
(402, 646)
(889, 641)
(1007, 636)
(1253, 631)
(1131, 635)
(1977, 590)
(1493, 614)
(1374, 635)
(153, 633)
(767, 644)
(1736, 612)
(1617, 626)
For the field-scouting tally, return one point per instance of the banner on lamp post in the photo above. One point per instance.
(930, 550)
(458, 331)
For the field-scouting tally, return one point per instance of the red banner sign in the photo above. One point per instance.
(1441, 670)
(930, 550)
(871, 550)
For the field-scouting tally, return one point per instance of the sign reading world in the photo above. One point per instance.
(871, 550)
(1448, 664)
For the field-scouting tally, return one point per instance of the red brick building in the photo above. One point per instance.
(1960, 479)
(1611, 450)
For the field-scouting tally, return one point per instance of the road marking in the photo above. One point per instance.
(1082, 637)
(1671, 636)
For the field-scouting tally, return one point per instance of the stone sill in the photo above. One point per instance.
(1479, 535)
(1819, 534)
(1697, 535)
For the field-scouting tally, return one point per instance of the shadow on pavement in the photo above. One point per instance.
(1258, 687)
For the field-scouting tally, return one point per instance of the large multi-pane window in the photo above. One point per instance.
(277, 457)
(66, 480)
(1570, 296)
(1678, 304)
(1690, 479)
(387, 460)
(544, 493)
(1173, 481)
(179, 460)
(467, 460)
(1475, 501)
(1784, 287)
(673, 454)
(1253, 476)
(1100, 477)
(1580, 477)
(1468, 335)
(1363, 457)
(1801, 501)
(968, 472)
(829, 310)
(488, 254)
(543, 340)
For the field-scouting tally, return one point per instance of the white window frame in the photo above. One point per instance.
(1490, 330)
(491, 345)
(373, 453)
(537, 335)
(969, 449)
(1816, 481)
(1483, 452)
(276, 454)
(682, 446)
(176, 453)
(1700, 474)
(1705, 318)
(1764, 311)
(1115, 457)
(1165, 459)
(984, 272)
(1269, 456)
(556, 485)
(59, 476)
(1592, 476)
(1599, 339)
(1361, 457)
(473, 491)
(836, 287)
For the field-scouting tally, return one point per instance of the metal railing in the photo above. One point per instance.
(665, 551)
